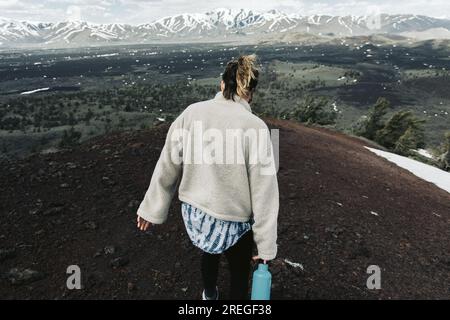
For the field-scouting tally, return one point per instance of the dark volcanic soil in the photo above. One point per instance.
(79, 207)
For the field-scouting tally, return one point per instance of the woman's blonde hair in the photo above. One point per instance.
(240, 77)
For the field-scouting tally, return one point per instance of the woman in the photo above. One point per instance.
(228, 188)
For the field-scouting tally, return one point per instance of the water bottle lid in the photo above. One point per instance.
(263, 267)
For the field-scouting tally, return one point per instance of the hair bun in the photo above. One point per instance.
(245, 73)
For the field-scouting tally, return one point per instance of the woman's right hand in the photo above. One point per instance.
(257, 258)
(142, 224)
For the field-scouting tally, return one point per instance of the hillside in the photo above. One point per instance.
(342, 209)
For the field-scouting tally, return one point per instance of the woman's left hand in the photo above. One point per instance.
(142, 224)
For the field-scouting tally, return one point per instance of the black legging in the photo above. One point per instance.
(239, 257)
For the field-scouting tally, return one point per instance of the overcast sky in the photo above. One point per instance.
(141, 11)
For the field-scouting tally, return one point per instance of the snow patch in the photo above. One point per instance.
(335, 108)
(36, 90)
(106, 55)
(424, 171)
(424, 153)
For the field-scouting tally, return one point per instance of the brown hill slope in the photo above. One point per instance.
(78, 207)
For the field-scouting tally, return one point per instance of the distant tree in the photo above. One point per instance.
(70, 138)
(107, 126)
(71, 119)
(88, 116)
(122, 122)
(12, 123)
(128, 107)
(314, 110)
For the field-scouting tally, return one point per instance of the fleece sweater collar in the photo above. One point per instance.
(237, 99)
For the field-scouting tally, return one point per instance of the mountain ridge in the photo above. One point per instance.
(215, 26)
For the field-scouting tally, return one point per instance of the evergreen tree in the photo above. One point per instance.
(397, 126)
(71, 119)
(444, 158)
(406, 142)
(374, 121)
(70, 138)
(313, 110)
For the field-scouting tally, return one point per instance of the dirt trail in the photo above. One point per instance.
(342, 209)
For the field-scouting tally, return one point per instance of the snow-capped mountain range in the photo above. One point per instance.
(215, 26)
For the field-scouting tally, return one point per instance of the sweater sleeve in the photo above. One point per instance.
(155, 206)
(264, 199)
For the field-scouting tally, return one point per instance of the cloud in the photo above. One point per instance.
(73, 13)
(11, 5)
(142, 11)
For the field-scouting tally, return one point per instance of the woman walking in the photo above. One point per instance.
(222, 157)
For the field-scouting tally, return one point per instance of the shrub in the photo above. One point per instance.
(70, 138)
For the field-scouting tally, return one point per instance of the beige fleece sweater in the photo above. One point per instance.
(222, 157)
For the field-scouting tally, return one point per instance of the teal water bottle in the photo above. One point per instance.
(261, 283)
